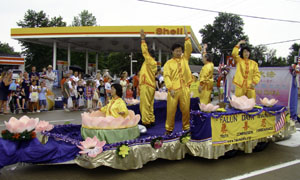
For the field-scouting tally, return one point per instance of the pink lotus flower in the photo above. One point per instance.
(43, 126)
(268, 102)
(208, 107)
(91, 146)
(242, 103)
(98, 120)
(160, 95)
(132, 101)
(24, 123)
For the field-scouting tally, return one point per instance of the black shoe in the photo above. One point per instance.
(152, 124)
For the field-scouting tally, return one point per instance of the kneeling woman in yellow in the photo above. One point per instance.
(247, 75)
(116, 106)
(206, 77)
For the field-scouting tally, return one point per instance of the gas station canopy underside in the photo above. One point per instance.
(106, 38)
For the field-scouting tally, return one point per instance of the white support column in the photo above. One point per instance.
(153, 45)
(54, 55)
(86, 61)
(69, 56)
(159, 55)
(131, 63)
(97, 62)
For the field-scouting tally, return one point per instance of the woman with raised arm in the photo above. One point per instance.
(206, 77)
(247, 74)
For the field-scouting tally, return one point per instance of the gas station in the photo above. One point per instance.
(99, 39)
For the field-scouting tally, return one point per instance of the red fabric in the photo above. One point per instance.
(135, 81)
(129, 94)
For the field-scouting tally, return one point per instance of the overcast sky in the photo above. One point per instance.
(133, 12)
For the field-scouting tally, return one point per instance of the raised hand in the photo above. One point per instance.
(241, 42)
(186, 32)
(142, 34)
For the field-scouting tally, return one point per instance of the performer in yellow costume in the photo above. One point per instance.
(116, 106)
(206, 77)
(147, 84)
(178, 77)
(247, 75)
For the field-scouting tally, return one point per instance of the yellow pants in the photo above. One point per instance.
(250, 93)
(205, 96)
(146, 104)
(182, 97)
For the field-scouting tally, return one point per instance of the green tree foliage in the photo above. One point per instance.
(38, 55)
(84, 19)
(221, 36)
(5, 49)
(294, 51)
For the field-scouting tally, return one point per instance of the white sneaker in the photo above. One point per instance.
(67, 110)
(38, 111)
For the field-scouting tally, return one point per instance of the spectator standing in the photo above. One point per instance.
(102, 94)
(124, 82)
(50, 78)
(33, 75)
(135, 82)
(26, 86)
(129, 91)
(6, 80)
(34, 97)
(80, 91)
(108, 90)
(42, 96)
(66, 93)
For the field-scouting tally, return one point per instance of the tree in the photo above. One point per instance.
(38, 55)
(5, 49)
(294, 52)
(225, 32)
(84, 19)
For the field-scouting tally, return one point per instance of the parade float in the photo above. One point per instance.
(214, 131)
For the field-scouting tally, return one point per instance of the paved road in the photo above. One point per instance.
(189, 168)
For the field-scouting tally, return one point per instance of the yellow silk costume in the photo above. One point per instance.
(147, 86)
(115, 106)
(194, 88)
(178, 77)
(247, 73)
(206, 82)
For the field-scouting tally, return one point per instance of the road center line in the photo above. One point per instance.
(262, 171)
(62, 120)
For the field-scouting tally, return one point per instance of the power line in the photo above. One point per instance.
(280, 42)
(212, 11)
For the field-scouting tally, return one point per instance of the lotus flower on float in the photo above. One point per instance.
(208, 107)
(24, 123)
(98, 120)
(91, 146)
(160, 95)
(132, 101)
(43, 126)
(268, 102)
(242, 103)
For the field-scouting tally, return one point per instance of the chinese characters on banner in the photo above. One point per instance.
(275, 83)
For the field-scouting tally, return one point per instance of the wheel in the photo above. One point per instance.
(229, 154)
(260, 146)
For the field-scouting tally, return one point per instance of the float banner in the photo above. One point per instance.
(237, 128)
(275, 82)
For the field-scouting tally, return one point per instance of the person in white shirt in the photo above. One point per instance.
(50, 78)
(75, 77)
